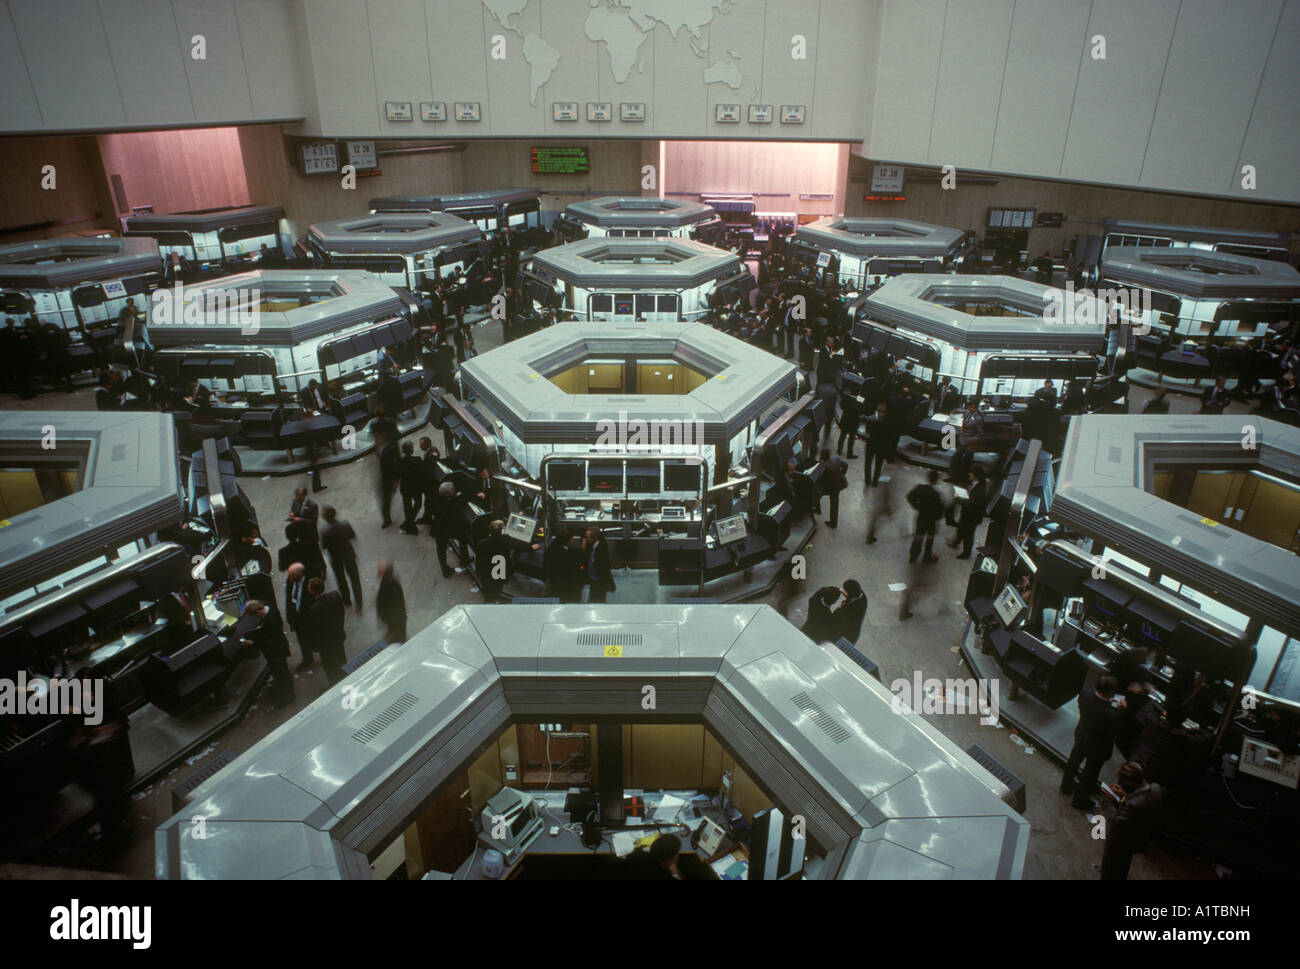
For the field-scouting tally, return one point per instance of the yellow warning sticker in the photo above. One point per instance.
(4, 523)
(615, 651)
(1209, 521)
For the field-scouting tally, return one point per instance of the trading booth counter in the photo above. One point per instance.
(395, 233)
(50, 264)
(213, 237)
(128, 486)
(633, 215)
(336, 301)
(884, 793)
(1104, 490)
(1199, 274)
(918, 304)
(515, 208)
(670, 263)
(511, 379)
(881, 238)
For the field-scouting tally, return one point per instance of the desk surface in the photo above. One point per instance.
(569, 842)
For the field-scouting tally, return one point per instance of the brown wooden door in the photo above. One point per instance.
(446, 827)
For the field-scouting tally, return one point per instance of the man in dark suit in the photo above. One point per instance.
(325, 622)
(296, 601)
(304, 508)
(313, 398)
(1130, 830)
(1215, 398)
(410, 476)
(494, 560)
(850, 418)
(1094, 739)
(880, 446)
(449, 526)
(390, 604)
(268, 637)
(929, 509)
(834, 480)
(972, 510)
(599, 576)
(336, 538)
(429, 458)
(390, 472)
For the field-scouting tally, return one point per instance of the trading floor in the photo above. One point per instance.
(1059, 847)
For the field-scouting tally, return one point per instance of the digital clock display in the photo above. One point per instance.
(319, 158)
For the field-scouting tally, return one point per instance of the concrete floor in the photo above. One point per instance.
(1060, 846)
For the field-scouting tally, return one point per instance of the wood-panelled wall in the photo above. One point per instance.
(777, 172)
(177, 171)
(1085, 206)
(80, 192)
(274, 179)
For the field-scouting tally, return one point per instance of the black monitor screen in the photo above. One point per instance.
(520, 822)
(1148, 626)
(643, 480)
(681, 477)
(1104, 602)
(623, 304)
(566, 476)
(604, 478)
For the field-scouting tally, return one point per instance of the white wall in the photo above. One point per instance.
(103, 65)
(1189, 91)
(366, 52)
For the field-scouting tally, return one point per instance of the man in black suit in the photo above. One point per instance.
(1094, 739)
(325, 622)
(494, 560)
(390, 604)
(972, 510)
(1215, 398)
(599, 576)
(390, 471)
(429, 458)
(449, 526)
(880, 446)
(834, 480)
(304, 508)
(1130, 829)
(268, 637)
(336, 538)
(929, 509)
(296, 602)
(850, 418)
(313, 398)
(410, 476)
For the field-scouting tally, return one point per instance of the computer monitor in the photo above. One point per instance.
(643, 479)
(731, 530)
(566, 477)
(1009, 606)
(605, 479)
(521, 528)
(680, 479)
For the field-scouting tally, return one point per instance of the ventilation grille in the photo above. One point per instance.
(813, 710)
(609, 639)
(386, 719)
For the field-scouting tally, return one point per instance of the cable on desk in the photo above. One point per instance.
(472, 859)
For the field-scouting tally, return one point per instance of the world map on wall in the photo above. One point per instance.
(623, 26)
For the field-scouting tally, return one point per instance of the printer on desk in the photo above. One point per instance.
(514, 816)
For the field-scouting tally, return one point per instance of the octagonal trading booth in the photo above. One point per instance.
(883, 794)
(1210, 310)
(413, 250)
(638, 217)
(853, 251)
(255, 341)
(658, 438)
(518, 209)
(997, 336)
(625, 280)
(82, 285)
(1165, 555)
(98, 583)
(213, 241)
